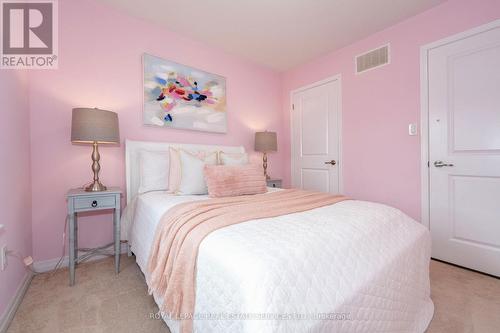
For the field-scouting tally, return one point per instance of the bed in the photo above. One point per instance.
(355, 266)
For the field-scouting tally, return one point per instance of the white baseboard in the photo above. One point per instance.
(48, 265)
(11, 308)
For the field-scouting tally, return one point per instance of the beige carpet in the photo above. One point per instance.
(104, 302)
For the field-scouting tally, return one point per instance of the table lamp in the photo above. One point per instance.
(95, 126)
(266, 142)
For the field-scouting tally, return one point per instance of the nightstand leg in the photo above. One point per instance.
(71, 249)
(76, 238)
(116, 227)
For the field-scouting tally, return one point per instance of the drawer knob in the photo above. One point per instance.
(94, 203)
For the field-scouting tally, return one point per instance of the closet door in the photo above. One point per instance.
(316, 137)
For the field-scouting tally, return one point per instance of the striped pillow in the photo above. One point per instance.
(234, 180)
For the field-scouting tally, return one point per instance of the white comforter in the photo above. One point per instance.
(351, 267)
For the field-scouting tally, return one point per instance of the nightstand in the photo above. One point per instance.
(81, 201)
(274, 183)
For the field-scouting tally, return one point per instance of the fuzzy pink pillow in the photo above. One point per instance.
(234, 180)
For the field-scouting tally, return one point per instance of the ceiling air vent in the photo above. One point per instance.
(372, 59)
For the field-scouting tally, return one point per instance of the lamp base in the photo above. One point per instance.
(96, 186)
(264, 165)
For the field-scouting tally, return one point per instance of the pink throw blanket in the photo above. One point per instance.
(172, 262)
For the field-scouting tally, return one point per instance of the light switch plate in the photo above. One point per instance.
(412, 129)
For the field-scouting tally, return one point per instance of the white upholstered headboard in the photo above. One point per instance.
(132, 149)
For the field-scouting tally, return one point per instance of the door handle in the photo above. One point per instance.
(440, 164)
(332, 162)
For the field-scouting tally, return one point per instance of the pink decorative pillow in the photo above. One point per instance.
(234, 180)
(174, 178)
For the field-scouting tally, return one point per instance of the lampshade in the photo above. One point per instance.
(266, 142)
(94, 125)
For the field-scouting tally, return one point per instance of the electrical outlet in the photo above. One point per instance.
(3, 257)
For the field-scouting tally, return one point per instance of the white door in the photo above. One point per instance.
(464, 151)
(316, 137)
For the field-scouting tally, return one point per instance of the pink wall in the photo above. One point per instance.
(380, 160)
(100, 65)
(15, 183)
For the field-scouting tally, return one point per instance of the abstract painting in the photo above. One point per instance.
(178, 96)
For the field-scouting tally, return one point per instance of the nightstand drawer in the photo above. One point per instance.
(85, 203)
(274, 183)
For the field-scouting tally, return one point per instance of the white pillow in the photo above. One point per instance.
(233, 158)
(192, 176)
(154, 168)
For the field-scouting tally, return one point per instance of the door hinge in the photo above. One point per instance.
(428, 164)
(293, 106)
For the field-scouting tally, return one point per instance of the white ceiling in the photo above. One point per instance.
(279, 34)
